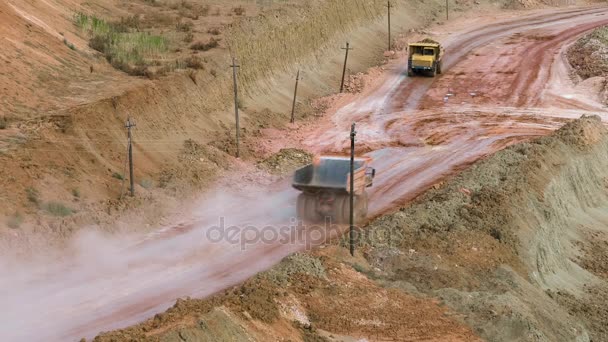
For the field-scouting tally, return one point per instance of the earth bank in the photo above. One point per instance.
(504, 248)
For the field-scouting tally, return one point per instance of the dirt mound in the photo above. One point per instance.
(286, 161)
(305, 297)
(428, 40)
(589, 55)
(492, 240)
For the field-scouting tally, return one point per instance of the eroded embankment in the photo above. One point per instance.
(75, 158)
(497, 243)
(505, 244)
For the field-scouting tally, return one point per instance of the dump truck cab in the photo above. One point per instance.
(325, 187)
(424, 57)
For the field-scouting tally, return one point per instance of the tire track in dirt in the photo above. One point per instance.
(408, 95)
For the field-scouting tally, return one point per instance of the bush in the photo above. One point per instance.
(200, 46)
(57, 209)
(118, 176)
(3, 122)
(32, 195)
(184, 26)
(100, 43)
(146, 183)
(239, 10)
(76, 193)
(68, 44)
(188, 38)
(214, 31)
(194, 62)
(15, 221)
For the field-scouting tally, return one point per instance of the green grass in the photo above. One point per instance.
(118, 176)
(68, 44)
(124, 46)
(57, 209)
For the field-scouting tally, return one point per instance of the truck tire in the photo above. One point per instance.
(307, 208)
(439, 68)
(434, 71)
(361, 207)
(342, 209)
(410, 73)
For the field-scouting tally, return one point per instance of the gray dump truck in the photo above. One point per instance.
(325, 186)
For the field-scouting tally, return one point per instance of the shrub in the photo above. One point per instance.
(68, 44)
(188, 39)
(192, 75)
(126, 23)
(214, 31)
(76, 193)
(200, 46)
(99, 43)
(146, 183)
(15, 221)
(3, 122)
(239, 10)
(32, 195)
(118, 176)
(185, 26)
(194, 62)
(205, 10)
(57, 209)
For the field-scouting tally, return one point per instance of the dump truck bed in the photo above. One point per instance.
(330, 173)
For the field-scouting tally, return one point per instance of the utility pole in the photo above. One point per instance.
(353, 133)
(130, 125)
(347, 48)
(388, 6)
(295, 94)
(447, 10)
(234, 66)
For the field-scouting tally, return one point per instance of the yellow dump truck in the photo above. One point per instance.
(424, 57)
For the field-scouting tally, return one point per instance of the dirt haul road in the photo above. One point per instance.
(505, 79)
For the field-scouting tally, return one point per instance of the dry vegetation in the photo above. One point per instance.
(589, 55)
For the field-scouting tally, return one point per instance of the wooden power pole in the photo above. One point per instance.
(130, 125)
(447, 10)
(234, 66)
(295, 94)
(347, 48)
(353, 133)
(390, 43)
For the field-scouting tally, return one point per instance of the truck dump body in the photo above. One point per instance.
(329, 173)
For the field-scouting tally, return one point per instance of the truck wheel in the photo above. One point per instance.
(306, 208)
(342, 209)
(361, 207)
(439, 68)
(434, 71)
(410, 73)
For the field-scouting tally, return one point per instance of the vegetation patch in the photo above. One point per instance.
(589, 55)
(15, 221)
(205, 46)
(33, 196)
(123, 45)
(57, 209)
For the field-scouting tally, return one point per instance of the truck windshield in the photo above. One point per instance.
(429, 52)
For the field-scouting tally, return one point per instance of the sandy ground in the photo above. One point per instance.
(415, 140)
